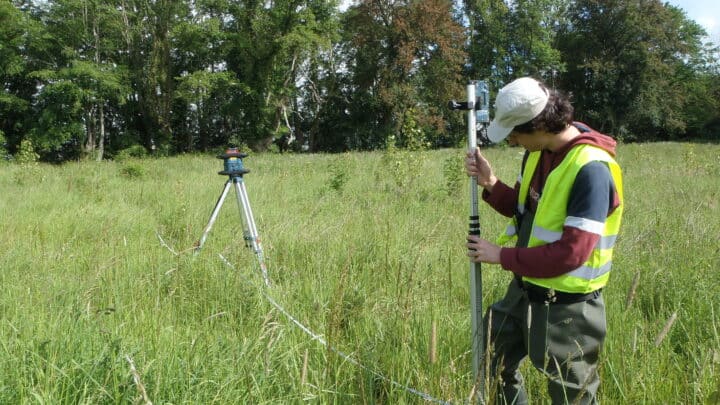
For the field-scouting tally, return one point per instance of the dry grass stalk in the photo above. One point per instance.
(474, 391)
(303, 374)
(666, 329)
(223, 313)
(432, 353)
(633, 290)
(634, 345)
(162, 242)
(138, 382)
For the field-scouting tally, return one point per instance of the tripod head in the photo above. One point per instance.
(233, 165)
(479, 103)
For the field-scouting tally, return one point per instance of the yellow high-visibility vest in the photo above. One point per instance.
(551, 216)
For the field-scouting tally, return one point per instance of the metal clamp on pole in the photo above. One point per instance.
(477, 106)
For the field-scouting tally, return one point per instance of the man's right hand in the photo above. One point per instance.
(476, 165)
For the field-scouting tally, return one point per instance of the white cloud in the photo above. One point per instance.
(708, 22)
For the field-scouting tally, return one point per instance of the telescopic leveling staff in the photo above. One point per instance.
(477, 106)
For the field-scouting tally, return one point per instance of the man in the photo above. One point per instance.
(565, 212)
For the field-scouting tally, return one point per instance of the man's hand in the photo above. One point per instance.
(480, 250)
(476, 165)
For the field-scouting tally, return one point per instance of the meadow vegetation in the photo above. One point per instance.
(104, 302)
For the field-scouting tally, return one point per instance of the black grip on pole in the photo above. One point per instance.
(474, 225)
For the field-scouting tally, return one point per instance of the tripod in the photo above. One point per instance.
(233, 167)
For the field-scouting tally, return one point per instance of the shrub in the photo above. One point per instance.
(132, 171)
(134, 151)
(338, 170)
(453, 172)
(26, 153)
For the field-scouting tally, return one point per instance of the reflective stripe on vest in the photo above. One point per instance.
(551, 216)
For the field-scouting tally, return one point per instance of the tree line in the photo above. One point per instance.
(94, 78)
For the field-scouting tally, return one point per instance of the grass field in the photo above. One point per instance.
(104, 302)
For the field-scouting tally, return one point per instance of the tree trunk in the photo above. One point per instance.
(101, 111)
(90, 131)
(101, 136)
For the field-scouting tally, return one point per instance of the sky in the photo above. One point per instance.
(704, 12)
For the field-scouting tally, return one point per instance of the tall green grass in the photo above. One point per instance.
(365, 249)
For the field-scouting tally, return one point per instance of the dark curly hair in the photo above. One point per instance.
(556, 116)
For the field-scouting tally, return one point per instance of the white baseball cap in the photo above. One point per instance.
(515, 104)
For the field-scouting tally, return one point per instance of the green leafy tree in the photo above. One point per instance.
(204, 89)
(488, 39)
(513, 39)
(15, 94)
(405, 59)
(701, 83)
(629, 64)
(205, 95)
(534, 28)
(83, 65)
(144, 38)
(60, 113)
(267, 48)
(71, 103)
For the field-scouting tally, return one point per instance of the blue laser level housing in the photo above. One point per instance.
(232, 163)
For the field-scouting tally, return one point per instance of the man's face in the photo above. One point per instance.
(532, 142)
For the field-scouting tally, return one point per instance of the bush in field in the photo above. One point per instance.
(3, 147)
(338, 169)
(132, 170)
(135, 151)
(400, 167)
(26, 154)
(454, 175)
